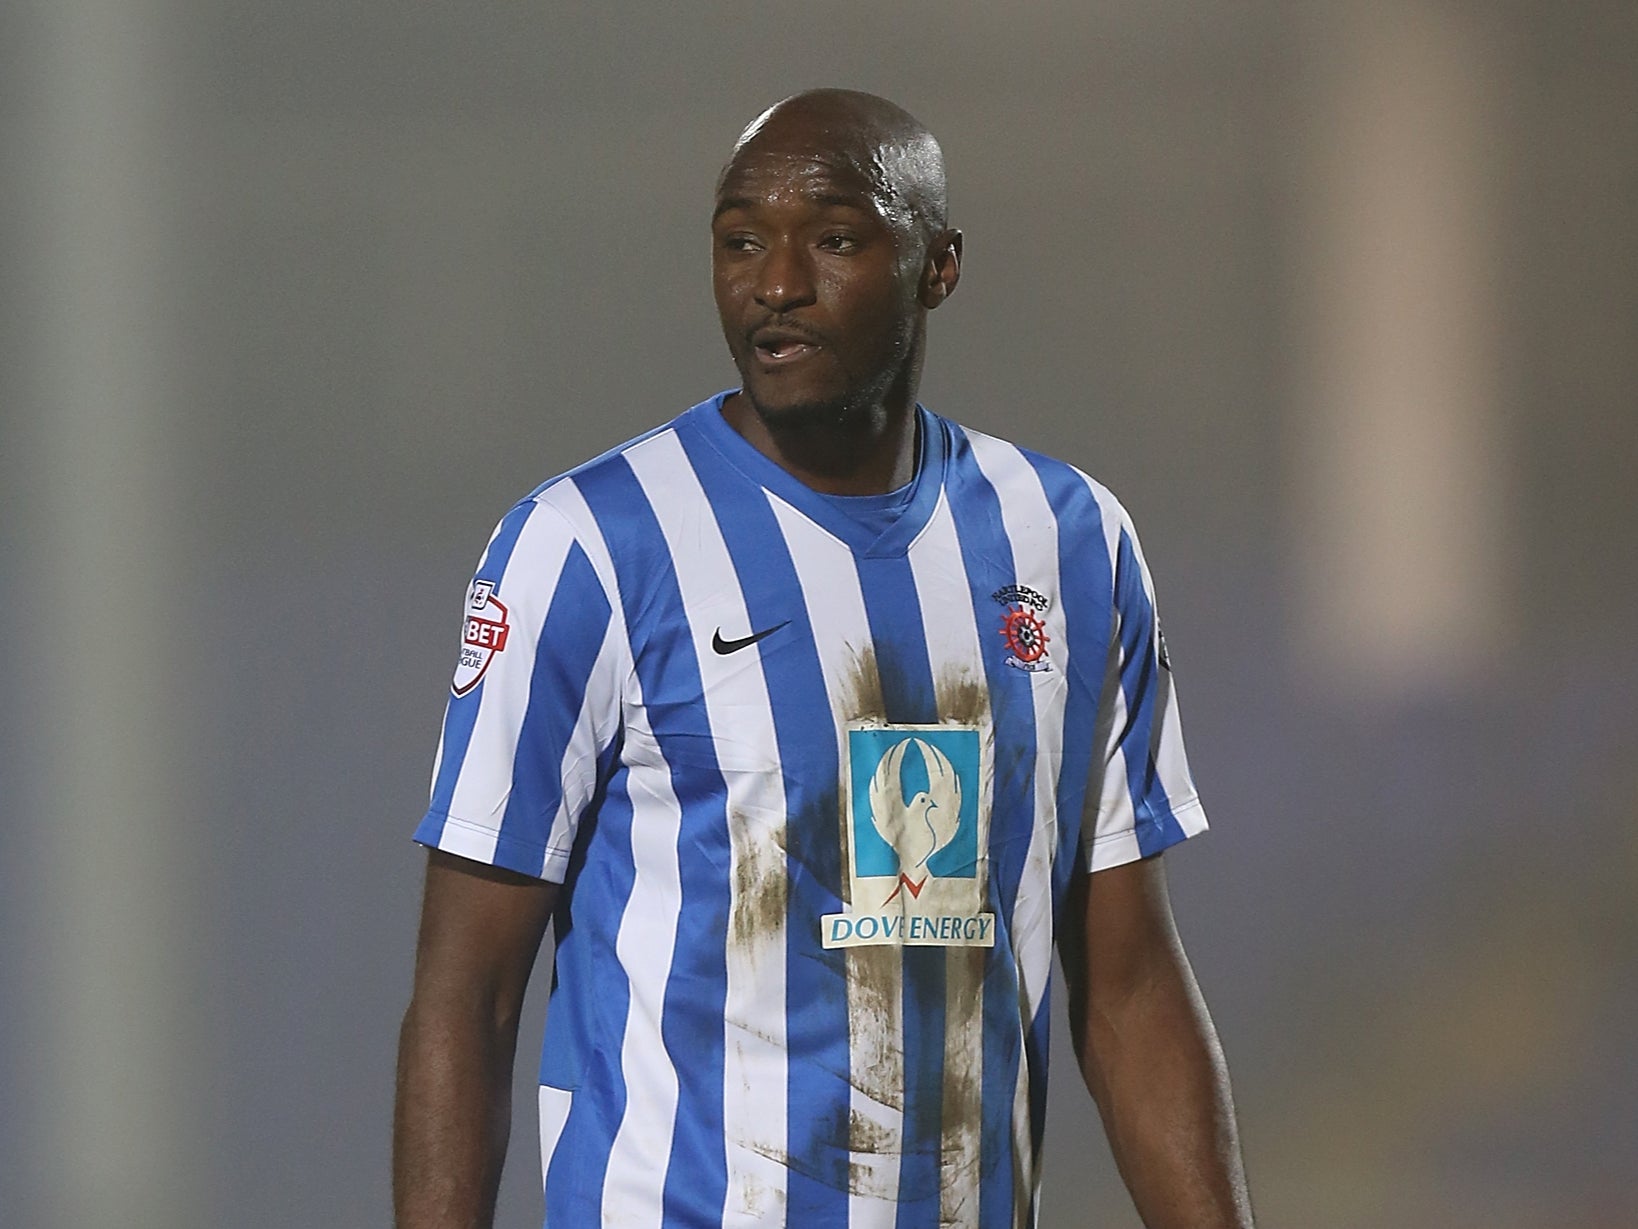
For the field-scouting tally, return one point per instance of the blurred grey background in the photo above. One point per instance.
(1341, 298)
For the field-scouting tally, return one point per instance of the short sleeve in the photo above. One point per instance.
(534, 701)
(1147, 800)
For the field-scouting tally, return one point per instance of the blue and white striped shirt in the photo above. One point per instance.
(816, 787)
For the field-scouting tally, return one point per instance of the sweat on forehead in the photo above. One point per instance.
(888, 147)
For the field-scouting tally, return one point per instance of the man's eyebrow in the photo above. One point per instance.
(731, 202)
(846, 200)
(841, 200)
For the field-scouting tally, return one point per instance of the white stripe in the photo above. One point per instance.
(1172, 763)
(478, 801)
(1171, 760)
(950, 629)
(1110, 837)
(1032, 529)
(742, 733)
(1111, 512)
(554, 1113)
(1030, 526)
(1109, 821)
(1113, 849)
(841, 633)
(634, 1189)
(1029, 1164)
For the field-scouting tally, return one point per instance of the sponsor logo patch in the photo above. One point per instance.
(916, 839)
(1023, 627)
(484, 631)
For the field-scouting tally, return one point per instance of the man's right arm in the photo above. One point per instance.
(481, 928)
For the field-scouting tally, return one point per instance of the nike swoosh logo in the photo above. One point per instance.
(725, 647)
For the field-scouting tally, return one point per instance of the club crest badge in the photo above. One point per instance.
(484, 630)
(1023, 627)
(917, 840)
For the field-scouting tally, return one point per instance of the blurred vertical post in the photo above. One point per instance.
(1400, 510)
(114, 1016)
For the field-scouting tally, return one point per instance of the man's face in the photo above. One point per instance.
(816, 291)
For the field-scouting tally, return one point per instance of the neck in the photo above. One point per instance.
(868, 452)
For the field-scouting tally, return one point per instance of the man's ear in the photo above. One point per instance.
(943, 268)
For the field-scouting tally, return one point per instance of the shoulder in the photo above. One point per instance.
(576, 514)
(1078, 501)
(583, 498)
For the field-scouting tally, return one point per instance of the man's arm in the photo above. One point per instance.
(1149, 1053)
(480, 930)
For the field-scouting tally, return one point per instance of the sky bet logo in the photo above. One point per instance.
(483, 634)
(916, 835)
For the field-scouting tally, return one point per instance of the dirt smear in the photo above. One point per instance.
(760, 882)
(961, 1137)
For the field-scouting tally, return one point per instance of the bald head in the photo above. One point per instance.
(829, 247)
(891, 150)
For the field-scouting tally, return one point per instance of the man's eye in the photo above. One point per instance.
(839, 243)
(739, 243)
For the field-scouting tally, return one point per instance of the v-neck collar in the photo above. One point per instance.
(933, 457)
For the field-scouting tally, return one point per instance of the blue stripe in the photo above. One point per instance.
(1086, 583)
(570, 638)
(590, 1002)
(893, 611)
(571, 1038)
(1085, 588)
(1157, 827)
(462, 712)
(817, 1088)
(987, 554)
(696, 989)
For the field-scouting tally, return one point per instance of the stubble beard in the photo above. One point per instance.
(857, 409)
(854, 409)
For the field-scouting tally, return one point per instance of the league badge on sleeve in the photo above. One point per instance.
(484, 630)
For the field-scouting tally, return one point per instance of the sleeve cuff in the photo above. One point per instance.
(482, 844)
(1148, 838)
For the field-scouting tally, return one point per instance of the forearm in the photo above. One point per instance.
(452, 1118)
(1156, 1070)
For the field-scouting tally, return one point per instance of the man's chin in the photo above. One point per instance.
(794, 412)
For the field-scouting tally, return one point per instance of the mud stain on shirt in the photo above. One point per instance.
(760, 879)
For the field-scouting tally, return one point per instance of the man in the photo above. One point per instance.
(813, 720)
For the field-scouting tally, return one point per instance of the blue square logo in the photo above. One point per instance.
(914, 801)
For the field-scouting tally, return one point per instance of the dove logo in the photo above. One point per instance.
(914, 822)
(915, 836)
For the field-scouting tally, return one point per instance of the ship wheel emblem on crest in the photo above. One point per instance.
(1023, 627)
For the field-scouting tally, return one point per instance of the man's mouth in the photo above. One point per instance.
(780, 346)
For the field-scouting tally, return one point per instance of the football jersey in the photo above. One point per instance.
(815, 784)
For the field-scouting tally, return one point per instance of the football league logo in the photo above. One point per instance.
(916, 836)
(483, 634)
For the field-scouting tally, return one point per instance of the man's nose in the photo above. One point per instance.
(785, 279)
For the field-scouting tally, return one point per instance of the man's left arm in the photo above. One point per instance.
(1149, 1053)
